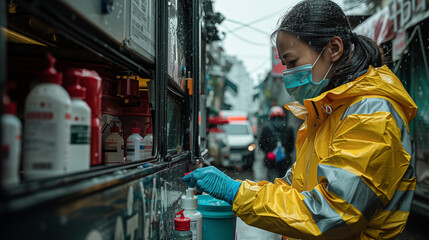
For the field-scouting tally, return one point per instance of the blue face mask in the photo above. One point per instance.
(299, 83)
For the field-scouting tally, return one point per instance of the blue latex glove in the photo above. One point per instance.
(214, 182)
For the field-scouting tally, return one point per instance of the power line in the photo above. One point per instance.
(258, 20)
(245, 25)
(245, 40)
(252, 56)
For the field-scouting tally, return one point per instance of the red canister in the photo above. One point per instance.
(92, 82)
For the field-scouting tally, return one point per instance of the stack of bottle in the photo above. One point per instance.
(62, 129)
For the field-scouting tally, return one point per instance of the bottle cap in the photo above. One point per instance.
(77, 91)
(136, 129)
(51, 75)
(182, 223)
(114, 128)
(189, 200)
(10, 108)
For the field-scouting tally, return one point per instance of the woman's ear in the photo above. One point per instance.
(336, 48)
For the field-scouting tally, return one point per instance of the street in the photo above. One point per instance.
(416, 228)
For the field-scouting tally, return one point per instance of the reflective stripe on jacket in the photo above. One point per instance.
(354, 175)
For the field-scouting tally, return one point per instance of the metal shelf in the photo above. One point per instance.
(16, 198)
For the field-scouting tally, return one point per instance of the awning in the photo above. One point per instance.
(396, 17)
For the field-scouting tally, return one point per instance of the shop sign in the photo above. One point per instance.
(277, 67)
(398, 45)
(403, 11)
(397, 16)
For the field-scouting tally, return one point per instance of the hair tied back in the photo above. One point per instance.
(355, 37)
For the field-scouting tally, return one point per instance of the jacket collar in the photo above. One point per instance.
(376, 81)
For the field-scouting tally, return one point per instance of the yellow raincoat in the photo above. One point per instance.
(354, 175)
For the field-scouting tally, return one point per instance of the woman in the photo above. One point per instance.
(354, 174)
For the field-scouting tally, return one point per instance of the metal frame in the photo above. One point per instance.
(2, 64)
(196, 27)
(161, 78)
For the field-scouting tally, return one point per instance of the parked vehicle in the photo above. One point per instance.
(242, 144)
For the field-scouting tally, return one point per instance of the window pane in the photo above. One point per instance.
(236, 129)
(174, 126)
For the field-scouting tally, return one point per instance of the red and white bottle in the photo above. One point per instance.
(114, 147)
(80, 131)
(11, 145)
(135, 145)
(91, 81)
(47, 127)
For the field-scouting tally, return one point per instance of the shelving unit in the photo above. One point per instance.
(134, 200)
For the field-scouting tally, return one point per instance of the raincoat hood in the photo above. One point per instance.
(376, 82)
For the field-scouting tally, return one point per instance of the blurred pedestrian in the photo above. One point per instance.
(277, 136)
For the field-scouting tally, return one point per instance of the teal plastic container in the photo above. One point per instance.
(218, 219)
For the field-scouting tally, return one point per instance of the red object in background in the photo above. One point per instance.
(277, 66)
(271, 157)
(236, 118)
(217, 120)
(216, 130)
(129, 87)
(277, 111)
(92, 82)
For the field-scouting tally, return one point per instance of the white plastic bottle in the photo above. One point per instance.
(148, 143)
(114, 147)
(190, 204)
(11, 145)
(80, 130)
(47, 127)
(135, 145)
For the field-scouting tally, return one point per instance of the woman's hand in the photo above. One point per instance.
(214, 182)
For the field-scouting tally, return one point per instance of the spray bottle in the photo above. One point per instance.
(182, 228)
(190, 204)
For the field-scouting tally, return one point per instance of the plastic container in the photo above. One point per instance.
(80, 129)
(190, 204)
(91, 81)
(182, 228)
(47, 127)
(11, 145)
(148, 143)
(218, 219)
(114, 147)
(135, 145)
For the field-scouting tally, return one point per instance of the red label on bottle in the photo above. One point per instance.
(40, 115)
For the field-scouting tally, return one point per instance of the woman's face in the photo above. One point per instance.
(294, 53)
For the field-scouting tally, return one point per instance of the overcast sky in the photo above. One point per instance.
(252, 46)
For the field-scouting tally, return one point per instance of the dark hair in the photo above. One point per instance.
(316, 22)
